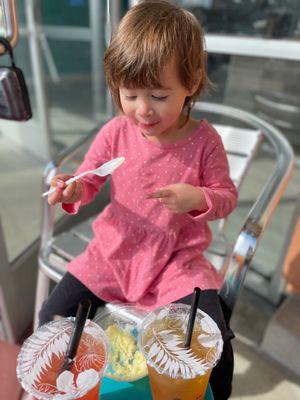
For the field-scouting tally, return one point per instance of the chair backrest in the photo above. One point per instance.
(261, 211)
(241, 145)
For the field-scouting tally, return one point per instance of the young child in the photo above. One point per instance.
(149, 241)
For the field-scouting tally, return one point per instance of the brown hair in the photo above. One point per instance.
(149, 36)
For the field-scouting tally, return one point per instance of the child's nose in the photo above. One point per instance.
(145, 109)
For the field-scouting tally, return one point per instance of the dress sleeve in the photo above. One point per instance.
(98, 153)
(220, 192)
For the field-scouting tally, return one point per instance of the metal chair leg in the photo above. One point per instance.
(42, 292)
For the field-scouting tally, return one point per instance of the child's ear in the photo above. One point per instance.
(196, 83)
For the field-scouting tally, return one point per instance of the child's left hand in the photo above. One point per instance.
(181, 198)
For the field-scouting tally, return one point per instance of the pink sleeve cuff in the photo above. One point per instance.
(71, 208)
(205, 215)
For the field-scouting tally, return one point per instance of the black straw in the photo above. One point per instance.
(81, 316)
(193, 311)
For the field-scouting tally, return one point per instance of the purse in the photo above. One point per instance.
(14, 98)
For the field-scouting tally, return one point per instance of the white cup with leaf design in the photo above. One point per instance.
(177, 372)
(40, 361)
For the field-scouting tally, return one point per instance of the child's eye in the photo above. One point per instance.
(130, 97)
(159, 98)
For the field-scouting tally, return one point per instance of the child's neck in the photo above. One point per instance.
(180, 131)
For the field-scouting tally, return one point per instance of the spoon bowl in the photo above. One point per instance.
(109, 167)
(105, 169)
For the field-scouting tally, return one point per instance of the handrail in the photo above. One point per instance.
(261, 212)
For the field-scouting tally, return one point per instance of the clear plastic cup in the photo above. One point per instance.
(41, 358)
(121, 324)
(177, 372)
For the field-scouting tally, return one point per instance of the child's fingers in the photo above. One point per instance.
(160, 194)
(58, 182)
(68, 191)
(55, 197)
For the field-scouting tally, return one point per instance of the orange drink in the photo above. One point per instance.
(164, 387)
(39, 365)
(176, 372)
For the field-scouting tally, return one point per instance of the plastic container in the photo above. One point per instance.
(41, 359)
(176, 371)
(121, 324)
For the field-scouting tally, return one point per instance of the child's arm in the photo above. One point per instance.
(217, 195)
(85, 189)
(218, 189)
(181, 198)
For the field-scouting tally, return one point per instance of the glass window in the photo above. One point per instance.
(65, 12)
(67, 39)
(267, 87)
(260, 18)
(2, 23)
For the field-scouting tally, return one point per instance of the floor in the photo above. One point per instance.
(256, 375)
(9, 385)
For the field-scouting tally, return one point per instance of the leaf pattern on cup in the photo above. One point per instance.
(40, 349)
(49, 344)
(168, 354)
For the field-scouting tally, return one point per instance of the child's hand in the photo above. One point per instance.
(181, 198)
(65, 194)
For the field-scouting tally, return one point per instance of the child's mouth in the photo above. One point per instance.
(147, 126)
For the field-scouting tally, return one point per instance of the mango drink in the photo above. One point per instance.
(41, 358)
(177, 372)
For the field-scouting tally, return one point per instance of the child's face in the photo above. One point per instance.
(156, 112)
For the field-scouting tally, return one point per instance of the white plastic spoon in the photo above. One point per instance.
(105, 169)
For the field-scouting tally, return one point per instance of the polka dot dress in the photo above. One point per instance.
(141, 252)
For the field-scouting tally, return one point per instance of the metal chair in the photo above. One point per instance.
(241, 144)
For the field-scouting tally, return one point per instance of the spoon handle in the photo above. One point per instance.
(71, 180)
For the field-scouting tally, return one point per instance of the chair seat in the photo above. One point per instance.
(66, 246)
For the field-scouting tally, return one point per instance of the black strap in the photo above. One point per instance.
(8, 49)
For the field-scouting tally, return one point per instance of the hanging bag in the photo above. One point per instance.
(14, 98)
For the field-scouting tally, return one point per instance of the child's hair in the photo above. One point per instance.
(150, 35)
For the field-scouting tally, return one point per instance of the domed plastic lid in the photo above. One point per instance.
(162, 338)
(41, 358)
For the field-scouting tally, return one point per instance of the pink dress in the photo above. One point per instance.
(143, 253)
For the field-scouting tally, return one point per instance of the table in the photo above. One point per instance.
(138, 390)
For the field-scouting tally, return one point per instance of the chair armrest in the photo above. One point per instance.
(263, 208)
(52, 169)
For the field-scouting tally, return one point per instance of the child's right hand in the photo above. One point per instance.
(65, 194)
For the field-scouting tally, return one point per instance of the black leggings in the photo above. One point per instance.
(67, 294)
(64, 300)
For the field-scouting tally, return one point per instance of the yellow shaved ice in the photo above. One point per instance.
(126, 360)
